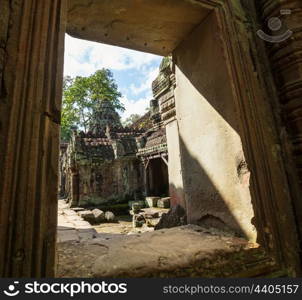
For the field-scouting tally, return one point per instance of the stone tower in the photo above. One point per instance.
(104, 116)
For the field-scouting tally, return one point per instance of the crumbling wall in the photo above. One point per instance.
(116, 181)
(99, 170)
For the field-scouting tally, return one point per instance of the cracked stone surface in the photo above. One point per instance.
(179, 251)
(78, 242)
(186, 251)
(116, 250)
(71, 227)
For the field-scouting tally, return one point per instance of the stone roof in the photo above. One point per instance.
(143, 123)
(153, 142)
(156, 138)
(116, 142)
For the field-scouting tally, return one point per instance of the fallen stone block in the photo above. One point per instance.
(69, 212)
(152, 201)
(82, 225)
(151, 215)
(109, 216)
(77, 209)
(140, 203)
(63, 204)
(176, 216)
(164, 202)
(99, 215)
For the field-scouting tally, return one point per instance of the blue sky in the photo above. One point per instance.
(133, 71)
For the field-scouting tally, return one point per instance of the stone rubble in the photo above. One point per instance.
(99, 215)
(72, 227)
(147, 216)
(109, 216)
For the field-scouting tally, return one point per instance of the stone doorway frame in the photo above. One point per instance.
(270, 189)
(31, 98)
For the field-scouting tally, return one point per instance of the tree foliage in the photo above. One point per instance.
(82, 97)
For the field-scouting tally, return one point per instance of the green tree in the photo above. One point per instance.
(131, 119)
(82, 97)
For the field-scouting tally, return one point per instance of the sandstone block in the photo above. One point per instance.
(140, 203)
(81, 225)
(77, 209)
(152, 201)
(151, 215)
(99, 215)
(176, 216)
(109, 216)
(69, 212)
(164, 202)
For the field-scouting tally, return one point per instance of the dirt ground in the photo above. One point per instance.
(122, 226)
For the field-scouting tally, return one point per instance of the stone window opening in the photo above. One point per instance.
(218, 80)
(196, 201)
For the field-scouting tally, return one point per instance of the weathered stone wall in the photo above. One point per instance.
(111, 181)
(286, 66)
(99, 172)
(31, 71)
(215, 174)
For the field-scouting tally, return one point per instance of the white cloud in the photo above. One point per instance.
(135, 107)
(147, 83)
(73, 68)
(84, 57)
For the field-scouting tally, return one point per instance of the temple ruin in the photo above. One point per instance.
(224, 141)
(101, 165)
(112, 163)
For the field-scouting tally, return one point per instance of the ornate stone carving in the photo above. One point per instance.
(286, 59)
(163, 89)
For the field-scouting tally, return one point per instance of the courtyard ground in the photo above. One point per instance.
(118, 250)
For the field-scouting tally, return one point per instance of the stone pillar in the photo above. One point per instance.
(75, 193)
(31, 71)
(146, 179)
(287, 68)
(286, 63)
(176, 188)
(150, 181)
(163, 90)
(214, 168)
